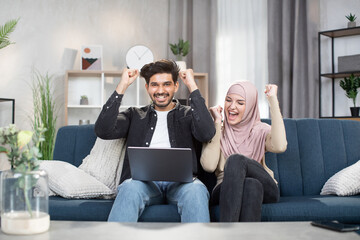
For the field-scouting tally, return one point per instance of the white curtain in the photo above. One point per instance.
(241, 47)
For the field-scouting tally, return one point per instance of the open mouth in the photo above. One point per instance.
(161, 97)
(232, 115)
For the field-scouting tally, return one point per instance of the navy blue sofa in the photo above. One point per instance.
(317, 149)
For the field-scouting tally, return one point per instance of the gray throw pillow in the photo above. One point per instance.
(105, 161)
(344, 183)
(68, 181)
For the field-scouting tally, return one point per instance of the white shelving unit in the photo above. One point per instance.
(99, 85)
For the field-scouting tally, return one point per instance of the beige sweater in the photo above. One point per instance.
(212, 158)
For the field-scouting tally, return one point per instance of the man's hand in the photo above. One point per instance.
(127, 78)
(188, 79)
(216, 113)
(271, 90)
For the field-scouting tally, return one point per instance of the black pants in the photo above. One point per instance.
(246, 185)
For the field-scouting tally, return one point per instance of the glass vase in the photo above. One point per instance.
(24, 202)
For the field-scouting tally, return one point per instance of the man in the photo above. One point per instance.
(164, 123)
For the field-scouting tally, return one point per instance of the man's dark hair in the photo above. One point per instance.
(161, 66)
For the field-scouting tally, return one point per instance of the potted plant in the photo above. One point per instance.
(351, 85)
(180, 50)
(351, 19)
(5, 31)
(84, 100)
(24, 189)
(44, 112)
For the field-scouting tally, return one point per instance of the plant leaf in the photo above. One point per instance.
(182, 48)
(186, 48)
(3, 149)
(174, 49)
(5, 31)
(4, 43)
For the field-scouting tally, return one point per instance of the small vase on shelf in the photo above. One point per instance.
(354, 111)
(351, 24)
(182, 65)
(84, 100)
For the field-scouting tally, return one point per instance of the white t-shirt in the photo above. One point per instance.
(160, 137)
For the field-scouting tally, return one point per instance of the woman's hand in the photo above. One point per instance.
(216, 113)
(271, 90)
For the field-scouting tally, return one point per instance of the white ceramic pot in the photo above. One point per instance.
(84, 101)
(351, 24)
(182, 65)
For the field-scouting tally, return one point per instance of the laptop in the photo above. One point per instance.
(161, 164)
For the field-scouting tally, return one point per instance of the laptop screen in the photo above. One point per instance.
(161, 164)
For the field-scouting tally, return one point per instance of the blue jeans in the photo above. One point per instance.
(192, 200)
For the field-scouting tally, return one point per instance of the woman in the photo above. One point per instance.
(237, 153)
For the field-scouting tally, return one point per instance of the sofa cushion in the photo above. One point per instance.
(99, 210)
(312, 208)
(345, 182)
(79, 209)
(308, 208)
(68, 181)
(105, 161)
(74, 143)
(160, 213)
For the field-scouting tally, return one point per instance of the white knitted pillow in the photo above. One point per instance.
(105, 161)
(68, 181)
(344, 183)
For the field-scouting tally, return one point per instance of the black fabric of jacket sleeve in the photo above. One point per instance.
(203, 127)
(111, 124)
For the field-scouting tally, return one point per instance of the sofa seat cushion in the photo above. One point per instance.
(99, 210)
(309, 208)
(79, 209)
(160, 213)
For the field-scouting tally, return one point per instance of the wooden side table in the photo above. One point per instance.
(13, 106)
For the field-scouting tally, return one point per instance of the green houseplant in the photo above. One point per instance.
(351, 19)
(24, 189)
(5, 31)
(44, 112)
(351, 85)
(180, 49)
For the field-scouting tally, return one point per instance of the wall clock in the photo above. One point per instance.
(138, 56)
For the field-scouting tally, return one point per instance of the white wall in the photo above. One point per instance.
(332, 16)
(49, 28)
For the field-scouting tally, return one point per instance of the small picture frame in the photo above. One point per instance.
(91, 57)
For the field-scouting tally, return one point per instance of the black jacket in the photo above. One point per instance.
(186, 125)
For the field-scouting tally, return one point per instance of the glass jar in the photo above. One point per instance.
(24, 202)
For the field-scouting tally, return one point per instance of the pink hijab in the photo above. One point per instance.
(247, 137)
